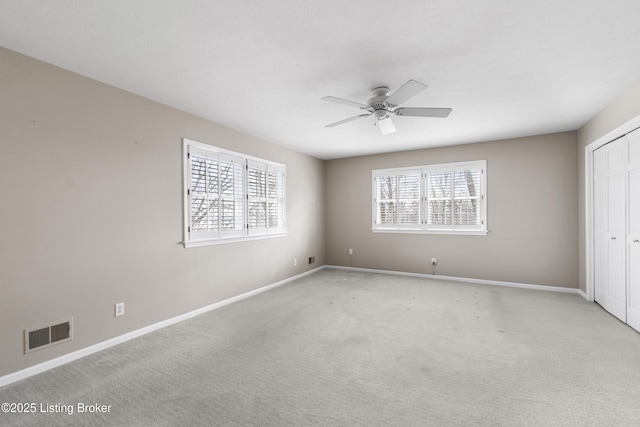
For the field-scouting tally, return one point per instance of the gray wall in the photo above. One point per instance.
(624, 108)
(91, 212)
(532, 186)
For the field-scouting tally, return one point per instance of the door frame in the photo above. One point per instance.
(616, 133)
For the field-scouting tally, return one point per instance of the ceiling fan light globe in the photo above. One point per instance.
(381, 114)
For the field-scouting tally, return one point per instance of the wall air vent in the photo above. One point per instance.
(45, 336)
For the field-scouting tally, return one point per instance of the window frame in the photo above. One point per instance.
(423, 226)
(213, 236)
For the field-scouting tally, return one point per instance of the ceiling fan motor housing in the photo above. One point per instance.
(377, 102)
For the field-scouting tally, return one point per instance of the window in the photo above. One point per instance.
(447, 198)
(397, 199)
(231, 196)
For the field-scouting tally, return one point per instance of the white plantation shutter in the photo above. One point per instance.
(439, 198)
(204, 194)
(231, 176)
(455, 197)
(409, 199)
(230, 196)
(467, 197)
(275, 198)
(446, 198)
(257, 197)
(216, 194)
(272, 204)
(385, 200)
(397, 199)
(266, 198)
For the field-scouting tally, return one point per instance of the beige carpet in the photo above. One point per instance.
(360, 349)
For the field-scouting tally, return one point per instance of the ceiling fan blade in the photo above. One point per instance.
(350, 119)
(345, 102)
(422, 112)
(408, 90)
(385, 124)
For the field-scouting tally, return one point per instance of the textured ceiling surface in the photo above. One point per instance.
(507, 68)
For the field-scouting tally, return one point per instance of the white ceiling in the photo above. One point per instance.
(507, 68)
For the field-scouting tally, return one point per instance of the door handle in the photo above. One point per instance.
(636, 241)
(613, 238)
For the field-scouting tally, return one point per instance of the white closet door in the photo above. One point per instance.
(600, 223)
(610, 234)
(616, 229)
(633, 236)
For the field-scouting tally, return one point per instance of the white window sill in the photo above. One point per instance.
(209, 242)
(451, 232)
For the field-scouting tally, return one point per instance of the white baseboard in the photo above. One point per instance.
(62, 360)
(464, 279)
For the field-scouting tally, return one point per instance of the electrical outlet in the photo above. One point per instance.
(434, 261)
(350, 251)
(119, 309)
(295, 262)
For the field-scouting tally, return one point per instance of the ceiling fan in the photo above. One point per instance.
(382, 105)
